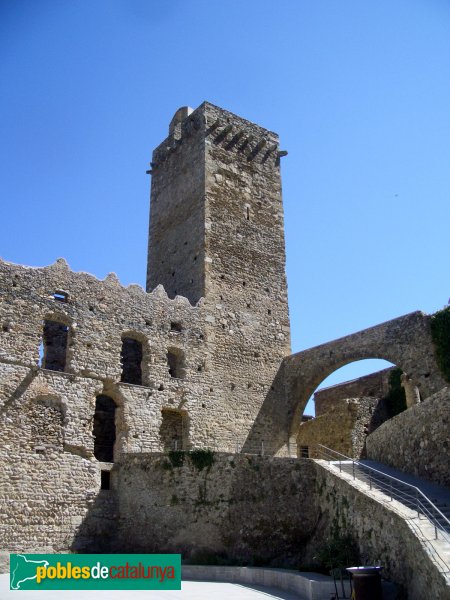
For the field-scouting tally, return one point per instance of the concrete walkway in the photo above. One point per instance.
(190, 590)
(436, 493)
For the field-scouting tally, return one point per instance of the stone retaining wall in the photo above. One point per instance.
(417, 440)
(385, 531)
(242, 509)
(343, 428)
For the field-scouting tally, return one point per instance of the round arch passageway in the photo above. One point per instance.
(405, 342)
(349, 375)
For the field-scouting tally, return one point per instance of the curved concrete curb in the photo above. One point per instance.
(309, 586)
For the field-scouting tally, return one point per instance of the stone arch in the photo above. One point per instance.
(405, 342)
(305, 386)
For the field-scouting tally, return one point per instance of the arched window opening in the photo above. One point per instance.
(104, 428)
(131, 361)
(173, 431)
(176, 363)
(53, 350)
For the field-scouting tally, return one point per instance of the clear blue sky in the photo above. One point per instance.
(359, 93)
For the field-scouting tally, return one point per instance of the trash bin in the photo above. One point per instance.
(366, 583)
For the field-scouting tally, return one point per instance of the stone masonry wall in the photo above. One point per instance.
(417, 440)
(343, 428)
(47, 482)
(213, 366)
(245, 271)
(217, 230)
(50, 480)
(241, 509)
(375, 385)
(382, 535)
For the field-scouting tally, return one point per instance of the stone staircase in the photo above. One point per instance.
(398, 519)
(397, 485)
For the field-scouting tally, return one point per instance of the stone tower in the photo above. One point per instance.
(217, 232)
(216, 227)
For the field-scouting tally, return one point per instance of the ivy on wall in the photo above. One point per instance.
(440, 333)
(200, 458)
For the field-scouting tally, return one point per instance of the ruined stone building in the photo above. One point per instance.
(98, 381)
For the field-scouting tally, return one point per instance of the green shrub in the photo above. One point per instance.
(202, 458)
(440, 332)
(338, 552)
(176, 457)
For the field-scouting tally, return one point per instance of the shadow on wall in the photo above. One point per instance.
(228, 509)
(270, 431)
(97, 532)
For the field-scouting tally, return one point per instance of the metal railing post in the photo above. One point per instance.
(406, 493)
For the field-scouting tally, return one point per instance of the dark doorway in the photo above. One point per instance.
(104, 428)
(131, 360)
(55, 339)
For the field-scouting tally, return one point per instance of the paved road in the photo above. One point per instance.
(191, 590)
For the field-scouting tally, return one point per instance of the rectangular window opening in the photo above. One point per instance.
(61, 296)
(105, 480)
(131, 358)
(304, 451)
(53, 349)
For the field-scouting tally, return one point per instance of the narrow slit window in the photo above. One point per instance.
(247, 213)
(131, 361)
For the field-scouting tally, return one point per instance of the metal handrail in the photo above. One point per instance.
(418, 498)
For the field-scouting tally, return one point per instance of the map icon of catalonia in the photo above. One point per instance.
(23, 569)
